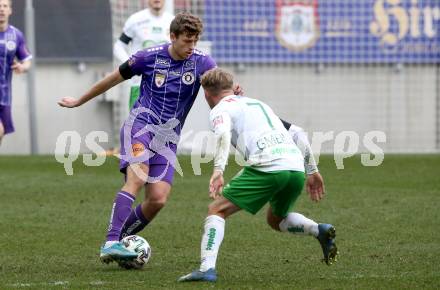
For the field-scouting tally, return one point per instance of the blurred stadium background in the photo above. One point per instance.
(334, 65)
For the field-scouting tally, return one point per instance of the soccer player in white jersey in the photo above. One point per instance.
(274, 174)
(143, 29)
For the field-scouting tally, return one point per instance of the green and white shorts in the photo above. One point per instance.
(251, 189)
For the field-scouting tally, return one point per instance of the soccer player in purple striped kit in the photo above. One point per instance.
(14, 56)
(170, 83)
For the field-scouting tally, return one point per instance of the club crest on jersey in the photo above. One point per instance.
(159, 79)
(297, 23)
(217, 121)
(11, 45)
(188, 78)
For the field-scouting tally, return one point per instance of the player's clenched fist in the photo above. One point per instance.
(216, 184)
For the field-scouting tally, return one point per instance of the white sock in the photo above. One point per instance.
(296, 223)
(211, 241)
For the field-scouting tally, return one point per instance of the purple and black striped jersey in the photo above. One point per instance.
(12, 45)
(169, 87)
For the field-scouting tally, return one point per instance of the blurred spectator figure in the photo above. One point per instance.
(143, 29)
(14, 56)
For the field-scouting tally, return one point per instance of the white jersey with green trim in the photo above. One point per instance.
(257, 133)
(146, 30)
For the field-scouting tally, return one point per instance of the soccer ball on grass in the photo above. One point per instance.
(139, 245)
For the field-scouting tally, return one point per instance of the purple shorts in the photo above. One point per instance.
(148, 148)
(6, 119)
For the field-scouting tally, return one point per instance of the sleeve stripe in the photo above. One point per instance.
(29, 57)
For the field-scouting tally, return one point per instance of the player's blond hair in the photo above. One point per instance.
(187, 23)
(217, 80)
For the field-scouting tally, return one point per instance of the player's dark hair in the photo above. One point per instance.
(187, 23)
(217, 80)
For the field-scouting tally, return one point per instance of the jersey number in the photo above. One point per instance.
(258, 105)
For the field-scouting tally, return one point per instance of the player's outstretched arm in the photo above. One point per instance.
(100, 87)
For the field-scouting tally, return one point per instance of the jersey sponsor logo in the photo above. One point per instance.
(188, 78)
(271, 140)
(174, 73)
(297, 24)
(163, 61)
(161, 71)
(280, 151)
(189, 64)
(157, 29)
(159, 79)
(138, 149)
(11, 45)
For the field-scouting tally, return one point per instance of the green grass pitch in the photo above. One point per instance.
(387, 220)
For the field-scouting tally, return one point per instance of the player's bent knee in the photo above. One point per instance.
(222, 207)
(134, 182)
(157, 197)
(138, 182)
(133, 185)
